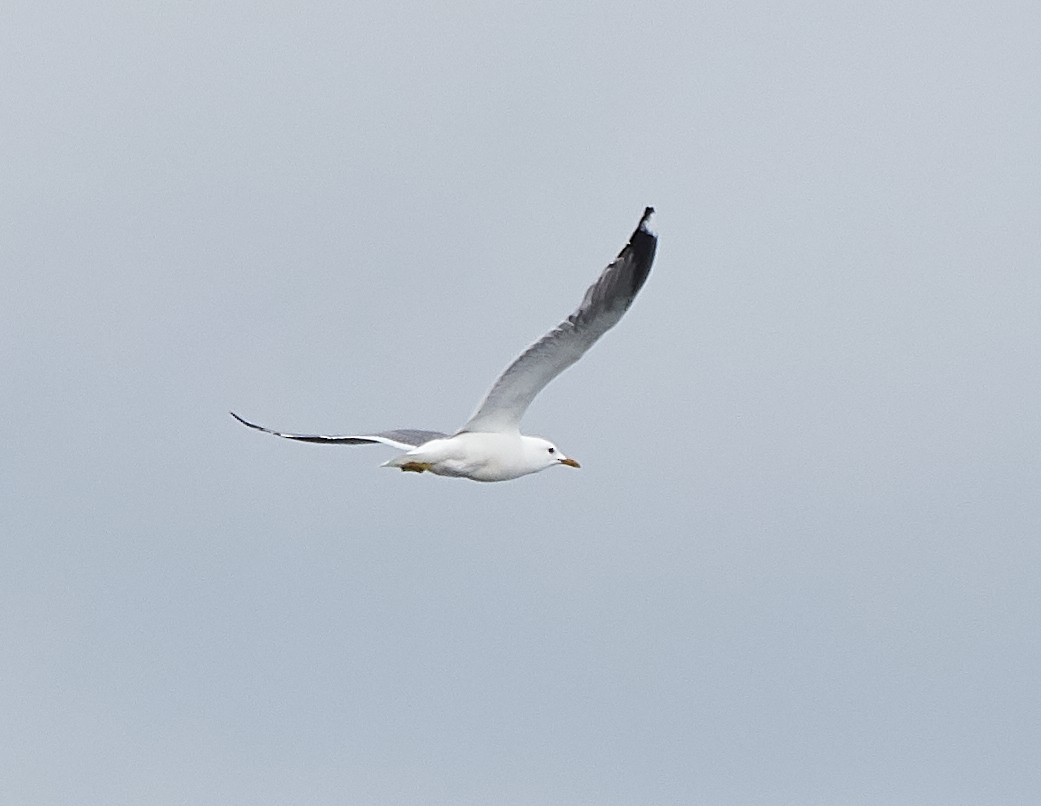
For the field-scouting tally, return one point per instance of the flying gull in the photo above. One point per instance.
(490, 446)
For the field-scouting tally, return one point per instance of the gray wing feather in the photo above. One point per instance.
(403, 438)
(602, 306)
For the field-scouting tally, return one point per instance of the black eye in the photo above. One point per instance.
(552, 450)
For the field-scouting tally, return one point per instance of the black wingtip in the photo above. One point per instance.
(246, 423)
(642, 245)
(643, 241)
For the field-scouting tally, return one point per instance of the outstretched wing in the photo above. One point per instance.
(403, 438)
(601, 308)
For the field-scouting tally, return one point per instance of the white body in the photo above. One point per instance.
(484, 456)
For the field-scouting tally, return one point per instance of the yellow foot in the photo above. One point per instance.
(415, 467)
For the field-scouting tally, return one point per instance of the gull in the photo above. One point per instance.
(490, 446)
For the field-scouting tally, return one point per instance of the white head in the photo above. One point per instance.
(541, 453)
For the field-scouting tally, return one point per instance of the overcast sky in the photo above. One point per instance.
(800, 562)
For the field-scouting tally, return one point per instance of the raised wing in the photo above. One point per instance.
(605, 302)
(403, 438)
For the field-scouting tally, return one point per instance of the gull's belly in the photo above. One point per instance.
(481, 457)
(477, 472)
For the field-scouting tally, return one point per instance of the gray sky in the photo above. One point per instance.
(800, 564)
